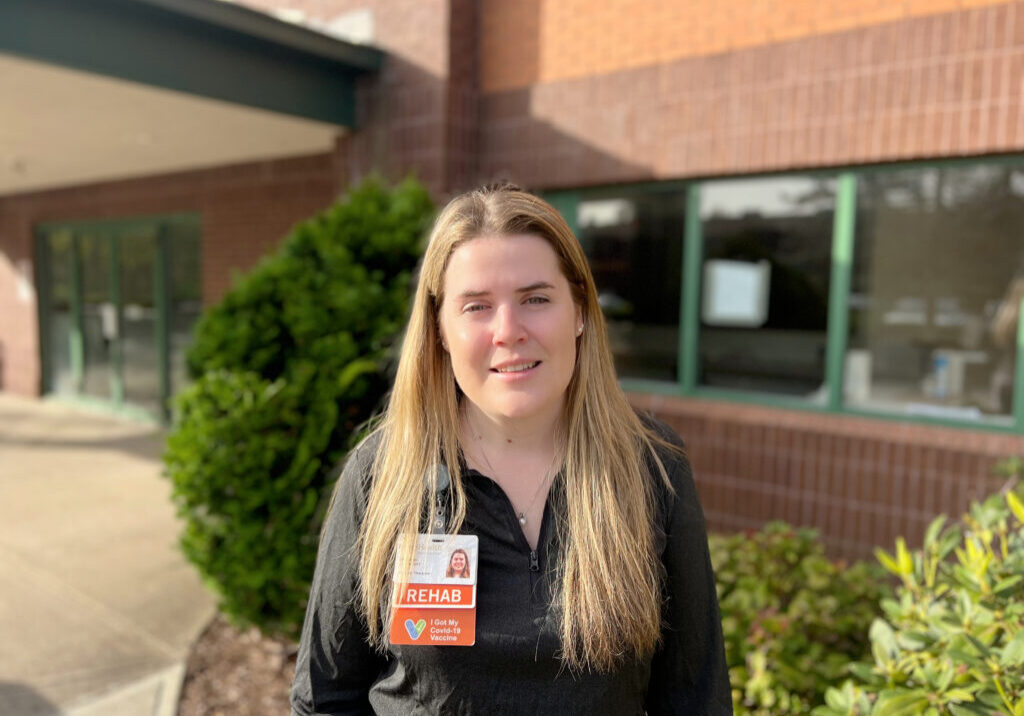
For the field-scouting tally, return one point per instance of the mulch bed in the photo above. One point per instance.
(232, 672)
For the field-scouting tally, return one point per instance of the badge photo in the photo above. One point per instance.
(437, 604)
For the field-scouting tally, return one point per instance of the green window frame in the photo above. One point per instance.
(842, 254)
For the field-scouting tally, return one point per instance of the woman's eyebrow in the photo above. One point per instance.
(535, 286)
(538, 285)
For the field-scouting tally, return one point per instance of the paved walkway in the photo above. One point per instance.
(97, 605)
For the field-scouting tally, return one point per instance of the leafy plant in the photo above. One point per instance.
(952, 640)
(288, 367)
(792, 619)
(1012, 468)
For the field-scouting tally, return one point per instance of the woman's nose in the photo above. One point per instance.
(508, 328)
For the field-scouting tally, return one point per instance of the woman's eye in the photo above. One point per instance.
(474, 307)
(537, 299)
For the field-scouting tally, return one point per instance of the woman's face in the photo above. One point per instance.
(510, 324)
(459, 562)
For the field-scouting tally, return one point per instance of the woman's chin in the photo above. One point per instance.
(523, 411)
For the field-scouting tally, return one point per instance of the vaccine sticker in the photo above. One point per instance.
(438, 604)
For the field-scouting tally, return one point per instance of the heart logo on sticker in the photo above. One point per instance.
(415, 629)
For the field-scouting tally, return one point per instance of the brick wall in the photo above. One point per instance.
(860, 482)
(418, 114)
(245, 211)
(938, 85)
(19, 358)
(463, 96)
(540, 41)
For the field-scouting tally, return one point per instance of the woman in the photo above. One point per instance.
(458, 565)
(595, 593)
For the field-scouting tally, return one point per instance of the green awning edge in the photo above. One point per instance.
(207, 48)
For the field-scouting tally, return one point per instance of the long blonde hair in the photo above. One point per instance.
(608, 591)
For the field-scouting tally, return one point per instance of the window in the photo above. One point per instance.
(765, 284)
(924, 264)
(937, 282)
(633, 240)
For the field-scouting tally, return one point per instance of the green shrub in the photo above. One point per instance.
(792, 619)
(1012, 468)
(952, 641)
(288, 367)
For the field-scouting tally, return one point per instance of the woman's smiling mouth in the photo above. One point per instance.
(515, 368)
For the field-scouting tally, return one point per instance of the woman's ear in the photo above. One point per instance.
(439, 326)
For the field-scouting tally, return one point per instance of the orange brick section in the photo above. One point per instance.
(244, 209)
(861, 483)
(940, 85)
(526, 42)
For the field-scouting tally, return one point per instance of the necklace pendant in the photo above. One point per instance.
(522, 519)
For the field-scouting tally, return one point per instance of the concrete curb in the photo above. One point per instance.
(154, 695)
(174, 678)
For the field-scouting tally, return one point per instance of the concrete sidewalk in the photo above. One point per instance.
(97, 605)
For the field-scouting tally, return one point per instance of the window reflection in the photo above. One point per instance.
(764, 306)
(633, 240)
(937, 282)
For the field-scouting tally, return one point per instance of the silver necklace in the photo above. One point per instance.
(540, 487)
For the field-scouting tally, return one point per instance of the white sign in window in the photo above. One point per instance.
(736, 293)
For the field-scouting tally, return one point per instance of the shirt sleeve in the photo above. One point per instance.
(336, 666)
(688, 671)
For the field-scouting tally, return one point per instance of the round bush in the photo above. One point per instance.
(287, 369)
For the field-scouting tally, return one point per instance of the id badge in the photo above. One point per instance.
(438, 605)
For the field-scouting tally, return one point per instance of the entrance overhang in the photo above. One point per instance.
(200, 47)
(111, 89)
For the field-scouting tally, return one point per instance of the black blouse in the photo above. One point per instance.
(513, 667)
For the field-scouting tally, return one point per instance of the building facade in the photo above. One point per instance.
(806, 221)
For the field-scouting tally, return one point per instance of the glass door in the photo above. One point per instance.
(98, 315)
(61, 337)
(186, 297)
(118, 301)
(139, 310)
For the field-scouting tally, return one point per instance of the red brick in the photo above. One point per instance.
(861, 482)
